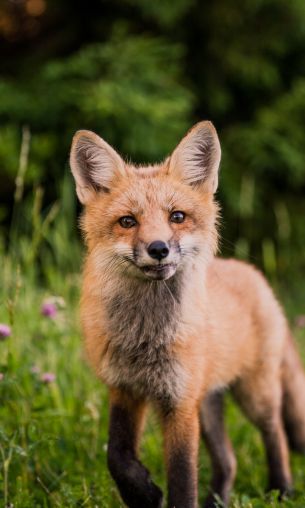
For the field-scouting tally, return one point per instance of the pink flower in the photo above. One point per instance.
(47, 377)
(1, 376)
(300, 321)
(49, 309)
(5, 331)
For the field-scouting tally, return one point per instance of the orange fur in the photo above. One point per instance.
(228, 329)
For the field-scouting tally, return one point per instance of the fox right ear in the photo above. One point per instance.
(94, 164)
(196, 159)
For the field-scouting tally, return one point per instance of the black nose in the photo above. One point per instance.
(158, 250)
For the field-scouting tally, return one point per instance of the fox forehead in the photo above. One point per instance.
(144, 189)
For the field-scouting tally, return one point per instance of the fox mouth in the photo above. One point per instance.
(155, 272)
(158, 272)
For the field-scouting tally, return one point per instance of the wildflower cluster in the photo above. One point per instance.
(49, 309)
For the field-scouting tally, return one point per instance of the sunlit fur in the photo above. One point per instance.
(207, 324)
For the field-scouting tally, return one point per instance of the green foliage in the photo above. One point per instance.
(140, 74)
(128, 89)
(162, 11)
(270, 151)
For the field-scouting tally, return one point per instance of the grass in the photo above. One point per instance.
(53, 436)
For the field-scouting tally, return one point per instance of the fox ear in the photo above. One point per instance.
(196, 159)
(94, 164)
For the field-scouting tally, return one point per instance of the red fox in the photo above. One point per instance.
(168, 324)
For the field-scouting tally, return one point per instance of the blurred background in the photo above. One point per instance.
(140, 73)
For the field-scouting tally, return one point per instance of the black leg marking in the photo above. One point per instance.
(221, 453)
(132, 478)
(181, 440)
(278, 477)
(182, 484)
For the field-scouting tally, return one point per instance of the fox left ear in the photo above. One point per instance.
(197, 157)
(94, 165)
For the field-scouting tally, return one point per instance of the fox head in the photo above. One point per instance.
(148, 221)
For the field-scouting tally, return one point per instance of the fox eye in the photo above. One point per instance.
(127, 221)
(177, 217)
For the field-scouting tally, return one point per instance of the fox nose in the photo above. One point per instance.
(158, 250)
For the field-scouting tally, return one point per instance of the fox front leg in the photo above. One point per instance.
(181, 439)
(132, 478)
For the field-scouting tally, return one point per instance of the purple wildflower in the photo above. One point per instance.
(49, 309)
(47, 377)
(5, 331)
(300, 321)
